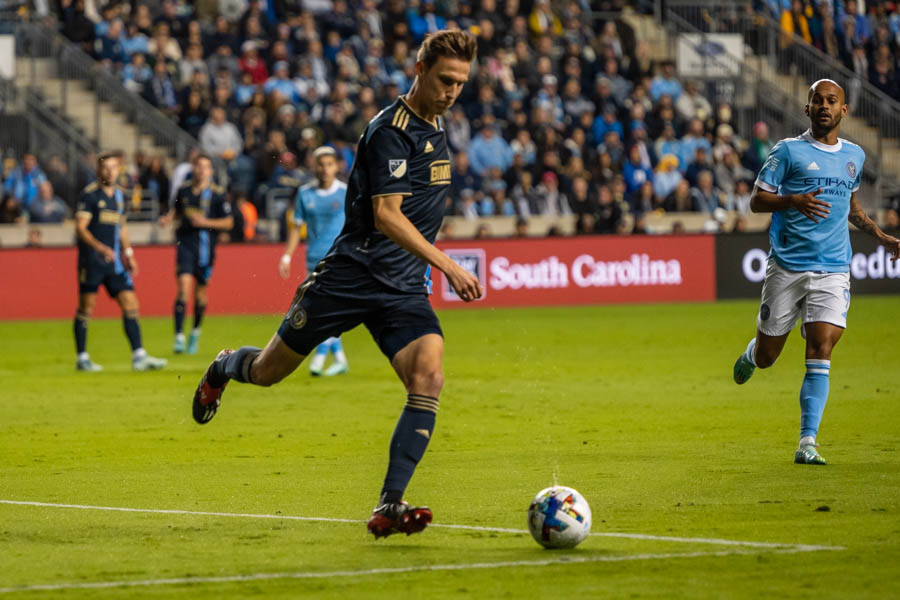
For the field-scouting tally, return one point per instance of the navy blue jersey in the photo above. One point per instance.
(210, 203)
(105, 213)
(398, 153)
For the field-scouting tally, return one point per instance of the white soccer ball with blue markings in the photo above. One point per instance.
(559, 517)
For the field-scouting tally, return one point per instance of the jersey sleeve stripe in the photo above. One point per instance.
(766, 187)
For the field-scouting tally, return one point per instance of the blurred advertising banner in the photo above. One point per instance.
(741, 266)
(710, 55)
(583, 270)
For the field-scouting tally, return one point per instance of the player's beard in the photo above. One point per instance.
(828, 127)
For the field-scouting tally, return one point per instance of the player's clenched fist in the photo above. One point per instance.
(811, 206)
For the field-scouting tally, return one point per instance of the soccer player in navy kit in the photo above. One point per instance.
(377, 271)
(102, 241)
(202, 212)
(809, 183)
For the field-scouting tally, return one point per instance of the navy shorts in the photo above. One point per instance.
(92, 276)
(187, 261)
(343, 294)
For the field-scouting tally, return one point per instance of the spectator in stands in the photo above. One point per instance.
(635, 172)
(25, 180)
(521, 230)
(220, 138)
(584, 204)
(693, 140)
(488, 149)
(47, 207)
(542, 21)
(701, 162)
(607, 122)
(692, 104)
(550, 201)
(153, 178)
(524, 196)
(137, 74)
(11, 210)
(193, 115)
(160, 92)
(793, 22)
(666, 83)
(609, 216)
(280, 83)
(706, 197)
(251, 63)
(112, 52)
(739, 200)
(645, 200)
(728, 173)
(468, 204)
(667, 176)
(667, 143)
(424, 22)
(759, 148)
(161, 44)
(680, 200)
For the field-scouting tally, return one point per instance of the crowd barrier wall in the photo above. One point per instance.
(41, 283)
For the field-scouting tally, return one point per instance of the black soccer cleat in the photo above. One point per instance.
(207, 398)
(398, 517)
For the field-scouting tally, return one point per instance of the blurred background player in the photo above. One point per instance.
(202, 212)
(319, 206)
(809, 183)
(102, 241)
(377, 273)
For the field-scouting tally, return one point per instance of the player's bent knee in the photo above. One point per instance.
(427, 381)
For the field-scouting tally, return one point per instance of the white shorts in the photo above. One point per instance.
(809, 296)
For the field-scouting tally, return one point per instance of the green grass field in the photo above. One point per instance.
(632, 405)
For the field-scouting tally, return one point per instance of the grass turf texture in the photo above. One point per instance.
(632, 405)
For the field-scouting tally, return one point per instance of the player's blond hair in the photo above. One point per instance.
(451, 43)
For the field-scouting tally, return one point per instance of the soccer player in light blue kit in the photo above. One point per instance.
(320, 206)
(809, 185)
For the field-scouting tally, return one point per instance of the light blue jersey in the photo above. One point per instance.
(800, 165)
(323, 213)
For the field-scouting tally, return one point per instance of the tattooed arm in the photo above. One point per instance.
(862, 222)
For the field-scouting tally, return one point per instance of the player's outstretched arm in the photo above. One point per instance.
(861, 220)
(391, 221)
(762, 201)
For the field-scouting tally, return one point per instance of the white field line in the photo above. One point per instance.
(384, 571)
(634, 536)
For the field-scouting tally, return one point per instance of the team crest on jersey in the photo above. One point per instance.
(764, 312)
(851, 170)
(397, 167)
(298, 317)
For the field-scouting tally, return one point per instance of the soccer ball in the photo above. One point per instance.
(559, 517)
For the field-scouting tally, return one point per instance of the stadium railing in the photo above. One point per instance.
(36, 41)
(762, 34)
(39, 127)
(756, 97)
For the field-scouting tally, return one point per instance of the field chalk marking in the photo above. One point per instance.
(91, 585)
(633, 536)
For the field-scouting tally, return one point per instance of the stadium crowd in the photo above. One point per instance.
(564, 114)
(863, 35)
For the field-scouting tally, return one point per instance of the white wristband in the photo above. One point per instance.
(285, 259)
(129, 252)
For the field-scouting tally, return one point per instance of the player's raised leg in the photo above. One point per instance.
(200, 302)
(245, 365)
(86, 303)
(340, 365)
(820, 340)
(140, 360)
(762, 351)
(419, 367)
(185, 285)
